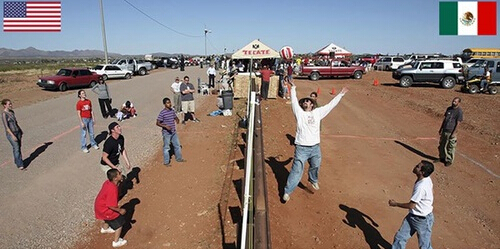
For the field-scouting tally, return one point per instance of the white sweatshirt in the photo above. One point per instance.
(308, 122)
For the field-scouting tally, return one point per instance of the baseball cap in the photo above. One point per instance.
(112, 126)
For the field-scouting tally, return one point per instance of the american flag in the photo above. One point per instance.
(31, 16)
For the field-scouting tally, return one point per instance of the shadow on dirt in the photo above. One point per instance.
(100, 137)
(36, 153)
(281, 174)
(355, 218)
(416, 151)
(291, 138)
(130, 208)
(127, 183)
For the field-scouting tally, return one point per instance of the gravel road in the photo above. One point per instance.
(51, 203)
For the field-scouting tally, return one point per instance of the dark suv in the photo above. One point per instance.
(445, 71)
(69, 78)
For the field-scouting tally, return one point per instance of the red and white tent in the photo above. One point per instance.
(339, 52)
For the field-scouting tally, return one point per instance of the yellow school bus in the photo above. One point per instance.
(480, 53)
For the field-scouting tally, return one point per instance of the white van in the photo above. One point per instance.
(389, 63)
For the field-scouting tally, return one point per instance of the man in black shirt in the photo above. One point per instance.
(448, 131)
(113, 147)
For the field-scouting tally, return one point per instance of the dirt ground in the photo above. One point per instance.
(370, 143)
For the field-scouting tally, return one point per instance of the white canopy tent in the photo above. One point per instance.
(256, 50)
(339, 52)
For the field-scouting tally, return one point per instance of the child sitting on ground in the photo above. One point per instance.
(127, 110)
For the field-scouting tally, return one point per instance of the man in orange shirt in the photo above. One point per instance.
(265, 73)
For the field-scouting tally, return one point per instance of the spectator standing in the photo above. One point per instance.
(86, 117)
(265, 74)
(314, 97)
(13, 132)
(104, 98)
(211, 72)
(307, 139)
(289, 71)
(420, 218)
(187, 99)
(182, 63)
(448, 132)
(167, 120)
(286, 89)
(113, 147)
(176, 90)
(106, 207)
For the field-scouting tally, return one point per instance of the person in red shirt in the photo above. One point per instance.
(86, 117)
(265, 74)
(106, 207)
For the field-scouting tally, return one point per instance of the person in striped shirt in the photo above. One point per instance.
(167, 120)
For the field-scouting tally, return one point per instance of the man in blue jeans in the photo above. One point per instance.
(307, 139)
(167, 120)
(420, 217)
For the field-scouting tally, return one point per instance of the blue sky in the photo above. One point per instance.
(177, 26)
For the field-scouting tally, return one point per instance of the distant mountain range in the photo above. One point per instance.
(31, 52)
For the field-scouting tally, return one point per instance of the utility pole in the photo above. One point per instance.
(103, 34)
(206, 31)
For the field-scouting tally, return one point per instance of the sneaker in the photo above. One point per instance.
(183, 122)
(109, 230)
(286, 197)
(447, 164)
(167, 165)
(182, 160)
(196, 120)
(315, 186)
(85, 150)
(121, 242)
(96, 147)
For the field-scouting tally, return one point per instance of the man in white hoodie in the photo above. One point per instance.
(307, 139)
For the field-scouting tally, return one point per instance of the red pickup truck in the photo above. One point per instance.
(334, 69)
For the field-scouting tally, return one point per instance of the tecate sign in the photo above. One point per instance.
(257, 52)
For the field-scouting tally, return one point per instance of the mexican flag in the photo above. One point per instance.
(468, 18)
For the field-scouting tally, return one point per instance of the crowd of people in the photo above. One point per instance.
(308, 116)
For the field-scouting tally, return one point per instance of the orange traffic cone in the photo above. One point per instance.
(375, 82)
(333, 91)
(318, 91)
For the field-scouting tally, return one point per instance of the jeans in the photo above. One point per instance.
(311, 154)
(106, 109)
(264, 89)
(447, 146)
(483, 84)
(16, 148)
(412, 224)
(211, 81)
(88, 124)
(174, 139)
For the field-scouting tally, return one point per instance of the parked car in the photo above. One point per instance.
(69, 78)
(334, 69)
(471, 61)
(111, 71)
(476, 73)
(137, 66)
(445, 71)
(389, 63)
(477, 69)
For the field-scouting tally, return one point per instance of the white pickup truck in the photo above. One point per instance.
(136, 66)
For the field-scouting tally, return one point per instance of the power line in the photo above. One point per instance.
(158, 22)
